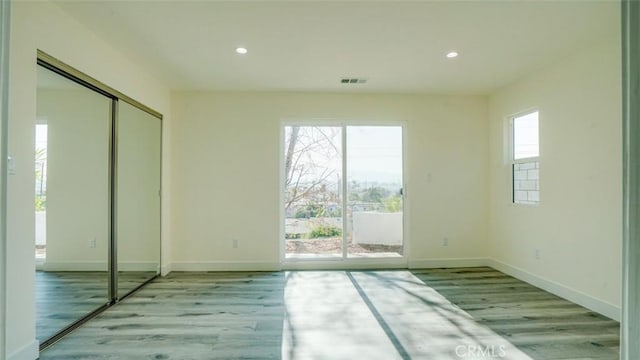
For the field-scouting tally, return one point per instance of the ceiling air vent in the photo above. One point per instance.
(353, 81)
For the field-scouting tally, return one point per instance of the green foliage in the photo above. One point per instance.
(310, 211)
(317, 210)
(337, 212)
(40, 203)
(374, 194)
(354, 196)
(321, 231)
(293, 235)
(41, 197)
(393, 204)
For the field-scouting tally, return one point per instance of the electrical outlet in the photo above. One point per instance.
(445, 241)
(11, 165)
(537, 254)
(91, 243)
(234, 243)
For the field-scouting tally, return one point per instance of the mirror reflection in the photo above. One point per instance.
(138, 197)
(72, 202)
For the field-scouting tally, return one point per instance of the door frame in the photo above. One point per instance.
(342, 262)
(630, 320)
(5, 23)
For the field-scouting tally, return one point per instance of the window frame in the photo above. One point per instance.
(512, 161)
(348, 262)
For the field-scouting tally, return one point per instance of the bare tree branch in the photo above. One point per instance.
(309, 153)
(293, 139)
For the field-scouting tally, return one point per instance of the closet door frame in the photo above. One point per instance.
(51, 63)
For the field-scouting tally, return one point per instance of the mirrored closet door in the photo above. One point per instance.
(72, 202)
(138, 197)
(97, 198)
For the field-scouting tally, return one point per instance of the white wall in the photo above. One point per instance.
(42, 25)
(226, 172)
(577, 226)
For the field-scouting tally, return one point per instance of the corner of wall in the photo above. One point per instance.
(600, 306)
(578, 222)
(166, 269)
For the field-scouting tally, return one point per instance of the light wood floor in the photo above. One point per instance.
(62, 297)
(472, 313)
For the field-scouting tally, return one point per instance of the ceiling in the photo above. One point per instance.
(398, 46)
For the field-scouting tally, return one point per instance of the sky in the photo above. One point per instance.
(525, 136)
(374, 153)
(41, 136)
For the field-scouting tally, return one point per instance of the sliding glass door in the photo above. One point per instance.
(343, 195)
(313, 202)
(374, 191)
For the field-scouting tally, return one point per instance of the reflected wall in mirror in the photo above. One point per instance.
(72, 202)
(138, 197)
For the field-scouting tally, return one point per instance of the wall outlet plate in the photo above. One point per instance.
(11, 165)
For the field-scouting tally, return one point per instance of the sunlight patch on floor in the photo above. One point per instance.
(380, 315)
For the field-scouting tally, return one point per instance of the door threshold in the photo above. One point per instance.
(364, 263)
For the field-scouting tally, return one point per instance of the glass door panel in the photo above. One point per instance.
(313, 191)
(374, 226)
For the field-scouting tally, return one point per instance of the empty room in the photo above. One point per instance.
(319, 180)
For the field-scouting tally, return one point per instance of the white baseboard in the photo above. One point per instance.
(75, 266)
(575, 296)
(166, 269)
(447, 263)
(224, 266)
(40, 264)
(28, 352)
(602, 307)
(98, 266)
(138, 266)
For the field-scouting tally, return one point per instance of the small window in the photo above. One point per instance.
(525, 159)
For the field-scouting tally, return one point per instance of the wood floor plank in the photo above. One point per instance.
(424, 314)
(63, 297)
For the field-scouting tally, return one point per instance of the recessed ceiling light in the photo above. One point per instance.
(452, 54)
(241, 50)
